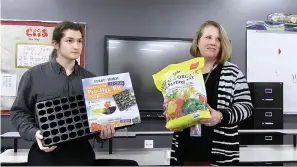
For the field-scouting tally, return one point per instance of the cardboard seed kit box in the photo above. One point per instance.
(110, 99)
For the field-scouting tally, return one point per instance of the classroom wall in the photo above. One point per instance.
(166, 18)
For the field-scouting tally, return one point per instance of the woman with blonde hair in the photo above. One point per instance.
(229, 102)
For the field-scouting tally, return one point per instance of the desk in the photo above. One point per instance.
(120, 134)
(161, 156)
(135, 134)
(12, 135)
(279, 153)
(154, 156)
(15, 136)
(292, 132)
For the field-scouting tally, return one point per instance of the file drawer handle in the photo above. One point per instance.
(267, 99)
(268, 90)
(268, 114)
(268, 137)
(267, 123)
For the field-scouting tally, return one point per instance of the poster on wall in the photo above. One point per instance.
(24, 44)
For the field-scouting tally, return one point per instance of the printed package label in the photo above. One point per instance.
(110, 99)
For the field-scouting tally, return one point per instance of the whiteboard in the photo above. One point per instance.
(272, 57)
(30, 55)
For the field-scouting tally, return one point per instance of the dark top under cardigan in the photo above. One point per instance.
(199, 148)
(234, 102)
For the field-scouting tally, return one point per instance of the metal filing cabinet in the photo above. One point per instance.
(267, 99)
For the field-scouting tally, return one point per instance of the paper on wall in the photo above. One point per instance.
(8, 84)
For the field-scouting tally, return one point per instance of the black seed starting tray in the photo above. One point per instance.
(62, 119)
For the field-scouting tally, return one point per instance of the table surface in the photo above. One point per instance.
(10, 135)
(161, 156)
(283, 131)
(17, 135)
(269, 153)
(134, 134)
(280, 153)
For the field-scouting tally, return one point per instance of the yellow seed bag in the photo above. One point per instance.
(183, 89)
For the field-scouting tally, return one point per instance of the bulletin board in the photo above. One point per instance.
(24, 44)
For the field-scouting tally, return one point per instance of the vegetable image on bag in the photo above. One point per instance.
(183, 89)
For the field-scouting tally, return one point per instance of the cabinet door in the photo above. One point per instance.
(261, 139)
(268, 119)
(268, 95)
(268, 139)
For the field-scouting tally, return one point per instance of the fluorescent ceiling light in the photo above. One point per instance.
(161, 45)
(153, 50)
(114, 42)
(111, 47)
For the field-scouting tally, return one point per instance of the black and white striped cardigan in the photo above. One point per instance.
(234, 102)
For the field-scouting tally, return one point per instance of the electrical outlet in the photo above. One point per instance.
(148, 143)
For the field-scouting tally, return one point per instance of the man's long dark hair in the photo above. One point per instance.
(59, 33)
